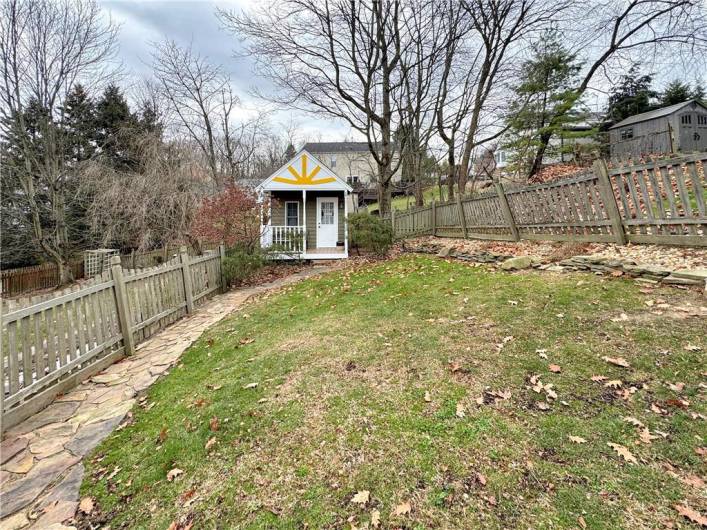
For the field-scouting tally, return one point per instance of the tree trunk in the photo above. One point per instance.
(539, 154)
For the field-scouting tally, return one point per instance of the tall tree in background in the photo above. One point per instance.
(115, 123)
(546, 83)
(678, 92)
(45, 48)
(632, 95)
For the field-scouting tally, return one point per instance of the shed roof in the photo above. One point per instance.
(304, 171)
(657, 113)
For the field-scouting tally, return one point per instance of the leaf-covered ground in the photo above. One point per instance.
(419, 393)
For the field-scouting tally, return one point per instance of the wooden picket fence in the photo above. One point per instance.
(50, 344)
(662, 202)
(34, 278)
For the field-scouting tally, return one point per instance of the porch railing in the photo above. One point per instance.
(283, 238)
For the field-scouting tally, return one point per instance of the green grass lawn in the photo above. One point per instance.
(404, 202)
(412, 380)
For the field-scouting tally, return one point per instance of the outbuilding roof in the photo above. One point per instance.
(304, 171)
(657, 113)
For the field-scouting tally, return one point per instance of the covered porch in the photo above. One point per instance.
(304, 207)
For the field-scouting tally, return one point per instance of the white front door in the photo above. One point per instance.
(327, 221)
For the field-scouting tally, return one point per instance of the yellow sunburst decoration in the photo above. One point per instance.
(303, 178)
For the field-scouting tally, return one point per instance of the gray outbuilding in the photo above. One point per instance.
(677, 128)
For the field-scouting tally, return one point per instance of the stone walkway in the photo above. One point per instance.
(41, 468)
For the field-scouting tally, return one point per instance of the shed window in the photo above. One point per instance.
(686, 119)
(292, 213)
(353, 179)
(701, 119)
(627, 134)
(332, 161)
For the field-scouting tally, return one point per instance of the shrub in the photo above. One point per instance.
(232, 216)
(369, 233)
(241, 262)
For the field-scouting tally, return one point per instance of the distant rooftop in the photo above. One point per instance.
(653, 114)
(336, 147)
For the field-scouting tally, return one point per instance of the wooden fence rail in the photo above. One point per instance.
(49, 346)
(663, 202)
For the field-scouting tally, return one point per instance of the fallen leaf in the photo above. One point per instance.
(86, 505)
(677, 387)
(214, 424)
(375, 518)
(623, 452)
(577, 439)
(692, 515)
(481, 479)
(580, 520)
(618, 361)
(246, 340)
(692, 347)
(646, 436)
(402, 509)
(655, 408)
(454, 366)
(599, 378)
(361, 497)
(163, 434)
(694, 480)
(460, 410)
(555, 368)
(210, 443)
(250, 385)
(614, 383)
(542, 405)
(174, 473)
(633, 421)
(428, 396)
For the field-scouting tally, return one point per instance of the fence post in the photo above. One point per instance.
(607, 192)
(392, 220)
(434, 218)
(122, 305)
(462, 218)
(222, 255)
(186, 278)
(507, 213)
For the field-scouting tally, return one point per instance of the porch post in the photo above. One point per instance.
(304, 221)
(346, 223)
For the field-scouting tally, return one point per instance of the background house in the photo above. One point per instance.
(677, 128)
(352, 161)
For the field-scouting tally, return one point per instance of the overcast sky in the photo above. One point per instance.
(195, 22)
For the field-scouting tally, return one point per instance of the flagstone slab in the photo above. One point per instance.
(67, 489)
(22, 492)
(56, 429)
(14, 522)
(57, 512)
(109, 378)
(22, 463)
(12, 446)
(44, 447)
(89, 436)
(55, 412)
(76, 395)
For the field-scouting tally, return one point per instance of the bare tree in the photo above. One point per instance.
(338, 58)
(151, 207)
(500, 25)
(46, 47)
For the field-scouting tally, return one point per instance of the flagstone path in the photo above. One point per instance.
(40, 459)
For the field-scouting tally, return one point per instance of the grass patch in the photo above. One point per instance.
(343, 364)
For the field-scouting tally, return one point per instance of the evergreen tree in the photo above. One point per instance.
(79, 125)
(547, 81)
(632, 95)
(148, 120)
(289, 152)
(115, 127)
(677, 92)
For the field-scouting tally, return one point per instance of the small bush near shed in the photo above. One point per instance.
(369, 233)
